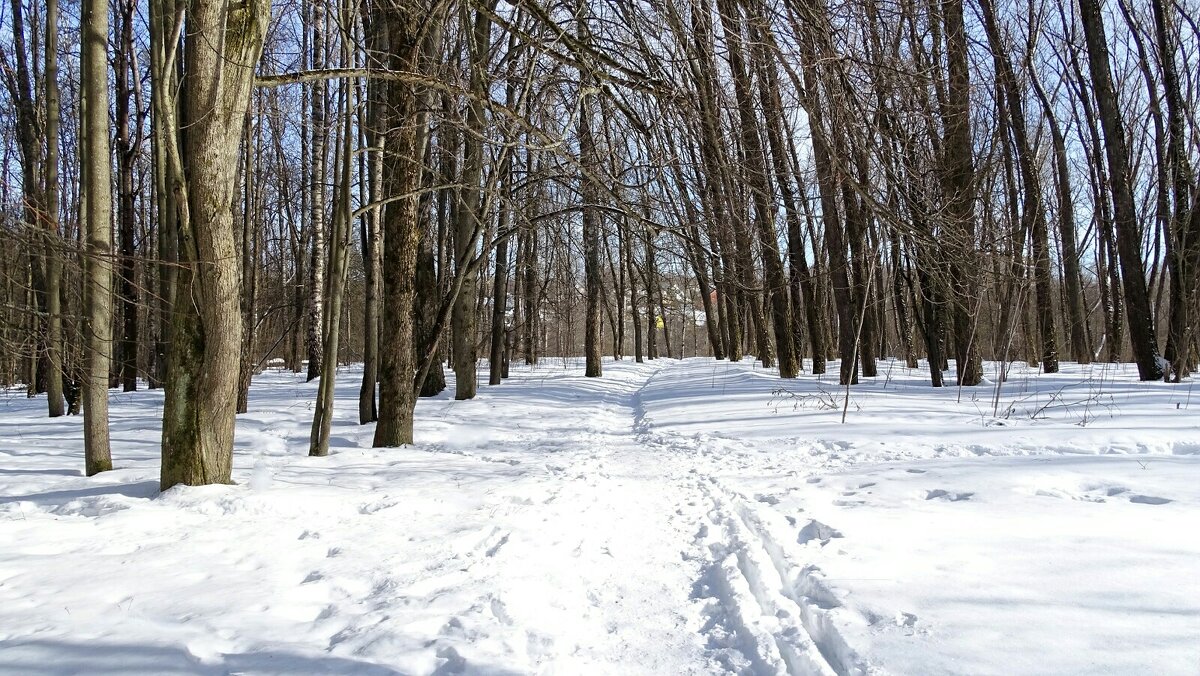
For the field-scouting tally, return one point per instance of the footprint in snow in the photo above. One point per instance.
(1148, 500)
(453, 663)
(815, 530)
(500, 611)
(939, 494)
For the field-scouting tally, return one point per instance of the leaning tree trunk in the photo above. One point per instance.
(800, 283)
(759, 185)
(335, 284)
(1128, 234)
(1184, 254)
(221, 47)
(1073, 292)
(470, 216)
(1033, 216)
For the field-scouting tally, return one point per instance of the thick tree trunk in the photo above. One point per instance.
(958, 184)
(221, 47)
(405, 136)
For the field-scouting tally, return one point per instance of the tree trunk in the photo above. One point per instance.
(500, 289)
(97, 217)
(127, 149)
(759, 185)
(221, 47)
(339, 253)
(1073, 292)
(1128, 234)
(372, 244)
(319, 179)
(405, 136)
(1033, 216)
(589, 162)
(53, 232)
(958, 184)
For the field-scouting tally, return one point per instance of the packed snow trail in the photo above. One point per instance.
(674, 517)
(562, 539)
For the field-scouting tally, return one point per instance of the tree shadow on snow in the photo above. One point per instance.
(45, 657)
(139, 489)
(35, 472)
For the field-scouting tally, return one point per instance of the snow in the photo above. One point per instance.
(674, 517)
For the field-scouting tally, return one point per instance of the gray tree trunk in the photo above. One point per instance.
(97, 217)
(221, 47)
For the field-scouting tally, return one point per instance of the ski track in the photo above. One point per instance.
(766, 613)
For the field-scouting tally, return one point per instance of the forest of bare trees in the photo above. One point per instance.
(192, 192)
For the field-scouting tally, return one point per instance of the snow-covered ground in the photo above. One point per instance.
(673, 517)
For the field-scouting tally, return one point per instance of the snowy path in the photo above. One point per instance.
(669, 518)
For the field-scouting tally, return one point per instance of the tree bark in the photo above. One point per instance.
(220, 50)
(405, 28)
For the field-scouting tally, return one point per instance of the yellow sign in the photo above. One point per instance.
(659, 323)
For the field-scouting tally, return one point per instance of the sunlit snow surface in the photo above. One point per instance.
(672, 517)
